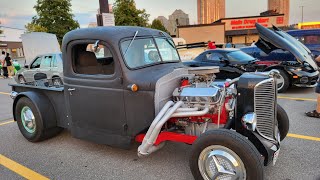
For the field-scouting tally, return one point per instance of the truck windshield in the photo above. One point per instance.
(148, 51)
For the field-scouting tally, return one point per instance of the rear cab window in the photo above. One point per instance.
(89, 59)
(46, 61)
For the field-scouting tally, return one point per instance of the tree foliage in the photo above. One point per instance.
(53, 16)
(126, 14)
(35, 28)
(157, 24)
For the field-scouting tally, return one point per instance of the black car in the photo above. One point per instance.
(275, 50)
(232, 62)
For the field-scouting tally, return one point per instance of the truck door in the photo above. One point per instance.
(94, 91)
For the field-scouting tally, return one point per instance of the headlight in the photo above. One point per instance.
(249, 121)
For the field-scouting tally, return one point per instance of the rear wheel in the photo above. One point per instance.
(21, 79)
(30, 123)
(57, 81)
(225, 154)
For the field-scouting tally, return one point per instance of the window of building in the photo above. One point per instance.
(92, 60)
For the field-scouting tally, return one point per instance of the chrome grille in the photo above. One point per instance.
(264, 107)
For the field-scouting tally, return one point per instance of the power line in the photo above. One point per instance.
(11, 27)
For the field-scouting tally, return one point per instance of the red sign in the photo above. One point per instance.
(248, 23)
(280, 20)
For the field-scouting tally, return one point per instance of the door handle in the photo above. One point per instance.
(71, 90)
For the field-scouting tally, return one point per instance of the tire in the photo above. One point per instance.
(286, 81)
(35, 131)
(227, 141)
(57, 81)
(283, 122)
(21, 79)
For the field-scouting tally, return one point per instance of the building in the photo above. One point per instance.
(177, 18)
(164, 21)
(237, 30)
(204, 33)
(210, 10)
(281, 7)
(309, 25)
(14, 48)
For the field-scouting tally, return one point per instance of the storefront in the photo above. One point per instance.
(14, 48)
(238, 30)
(242, 30)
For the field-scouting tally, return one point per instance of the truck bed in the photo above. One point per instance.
(54, 94)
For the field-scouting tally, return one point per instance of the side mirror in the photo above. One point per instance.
(26, 66)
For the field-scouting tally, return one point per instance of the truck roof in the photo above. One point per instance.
(111, 34)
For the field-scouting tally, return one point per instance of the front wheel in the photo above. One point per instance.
(225, 154)
(283, 122)
(21, 79)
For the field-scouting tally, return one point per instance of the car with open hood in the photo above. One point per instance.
(292, 59)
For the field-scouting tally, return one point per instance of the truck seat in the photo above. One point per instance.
(87, 63)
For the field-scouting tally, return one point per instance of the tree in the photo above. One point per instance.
(53, 16)
(126, 14)
(157, 24)
(35, 28)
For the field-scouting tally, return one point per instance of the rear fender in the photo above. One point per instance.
(43, 106)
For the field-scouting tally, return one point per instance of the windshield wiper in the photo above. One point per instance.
(134, 37)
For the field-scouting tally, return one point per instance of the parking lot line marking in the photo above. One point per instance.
(20, 169)
(304, 137)
(7, 122)
(298, 99)
(4, 93)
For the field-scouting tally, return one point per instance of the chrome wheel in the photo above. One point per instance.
(219, 162)
(280, 82)
(57, 82)
(21, 80)
(28, 119)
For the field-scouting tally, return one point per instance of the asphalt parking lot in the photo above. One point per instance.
(64, 157)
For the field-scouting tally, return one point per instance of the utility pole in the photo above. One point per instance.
(302, 13)
(103, 8)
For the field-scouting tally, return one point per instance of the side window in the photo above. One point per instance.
(36, 63)
(46, 62)
(214, 56)
(54, 62)
(92, 60)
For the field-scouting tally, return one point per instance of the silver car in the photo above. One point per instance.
(48, 64)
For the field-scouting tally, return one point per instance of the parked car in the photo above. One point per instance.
(48, 64)
(232, 62)
(295, 64)
(137, 89)
(293, 72)
(309, 37)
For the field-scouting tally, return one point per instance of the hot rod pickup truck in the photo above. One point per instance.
(127, 84)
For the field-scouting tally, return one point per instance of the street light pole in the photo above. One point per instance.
(302, 13)
(103, 8)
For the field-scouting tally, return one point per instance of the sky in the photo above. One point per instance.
(17, 13)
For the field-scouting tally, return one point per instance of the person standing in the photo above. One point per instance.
(9, 65)
(253, 43)
(212, 45)
(316, 113)
(2, 57)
